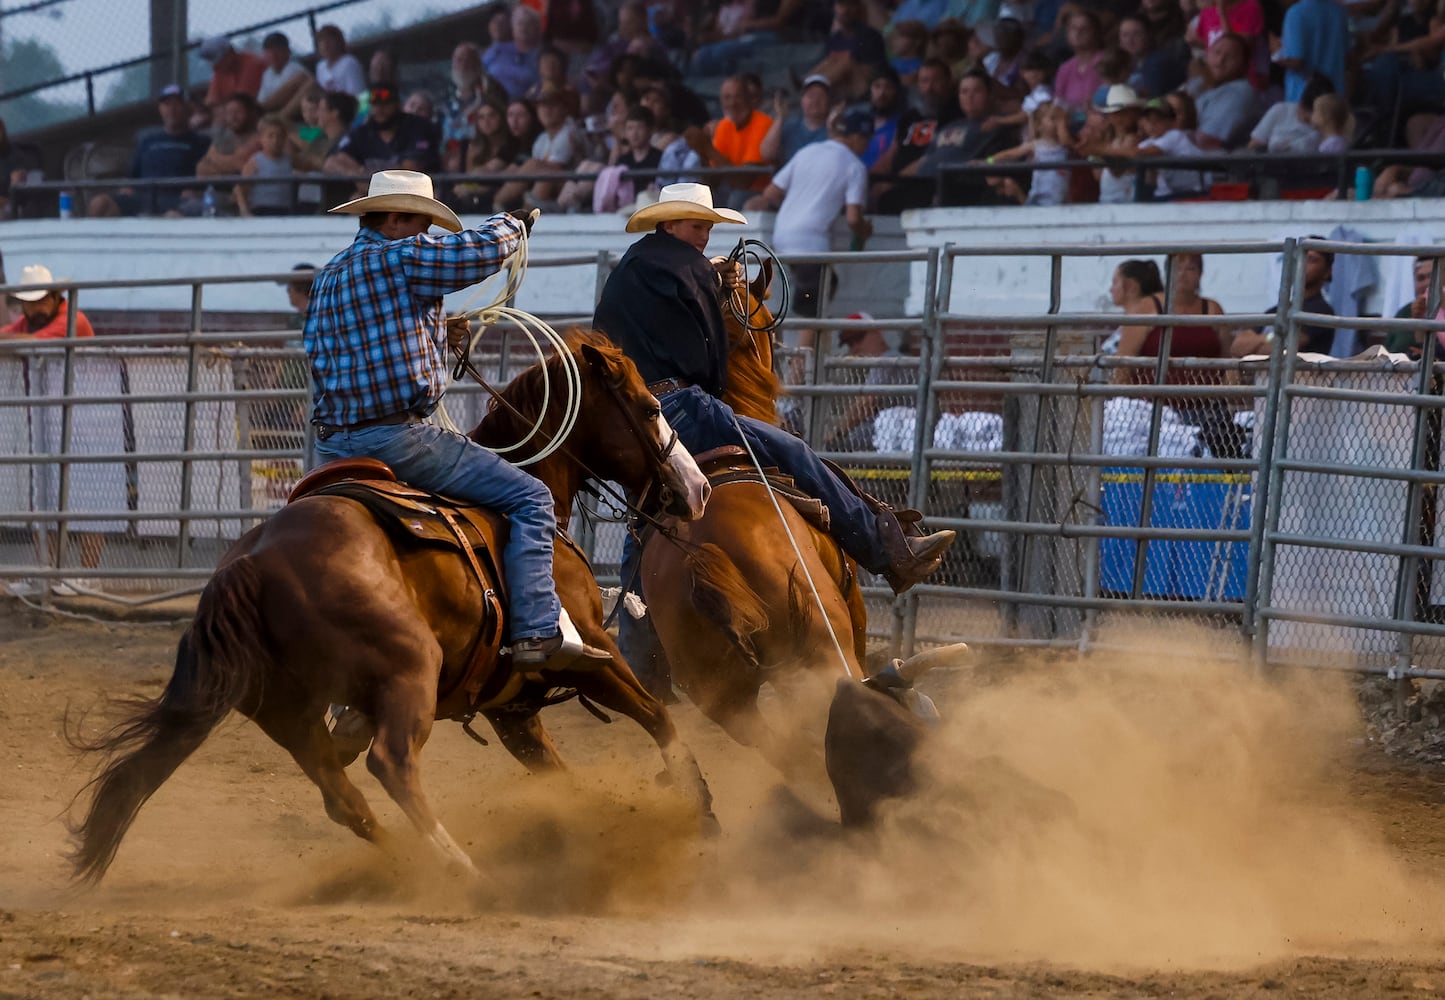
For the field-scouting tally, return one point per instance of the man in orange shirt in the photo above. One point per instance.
(737, 141)
(44, 312)
(232, 72)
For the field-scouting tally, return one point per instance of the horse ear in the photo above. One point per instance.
(596, 359)
(763, 284)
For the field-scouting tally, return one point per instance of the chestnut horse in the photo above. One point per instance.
(319, 605)
(731, 604)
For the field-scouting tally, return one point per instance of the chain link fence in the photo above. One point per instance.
(1289, 498)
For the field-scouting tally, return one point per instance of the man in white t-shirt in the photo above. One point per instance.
(820, 181)
(283, 79)
(336, 69)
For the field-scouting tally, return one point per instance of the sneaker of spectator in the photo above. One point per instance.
(736, 141)
(471, 87)
(557, 149)
(513, 62)
(552, 78)
(1286, 127)
(1079, 78)
(337, 70)
(1229, 107)
(738, 27)
(852, 51)
(232, 72)
(172, 150)
(907, 46)
(284, 79)
(271, 162)
(389, 138)
(791, 129)
(1155, 67)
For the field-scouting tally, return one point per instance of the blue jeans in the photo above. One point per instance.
(444, 462)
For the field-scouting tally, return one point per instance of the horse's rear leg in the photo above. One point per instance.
(403, 723)
(310, 745)
(616, 688)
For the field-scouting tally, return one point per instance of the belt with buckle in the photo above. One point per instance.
(664, 386)
(324, 431)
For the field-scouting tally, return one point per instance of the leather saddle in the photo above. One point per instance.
(731, 464)
(416, 517)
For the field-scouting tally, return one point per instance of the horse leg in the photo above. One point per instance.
(527, 740)
(403, 720)
(306, 739)
(616, 688)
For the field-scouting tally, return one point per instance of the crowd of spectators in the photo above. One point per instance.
(634, 95)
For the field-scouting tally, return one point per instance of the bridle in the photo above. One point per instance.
(656, 455)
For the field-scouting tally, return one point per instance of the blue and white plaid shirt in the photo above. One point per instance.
(375, 329)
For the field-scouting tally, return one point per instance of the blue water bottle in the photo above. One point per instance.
(67, 206)
(208, 203)
(1364, 183)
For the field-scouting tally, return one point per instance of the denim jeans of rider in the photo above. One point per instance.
(445, 462)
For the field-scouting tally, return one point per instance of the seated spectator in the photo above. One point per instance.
(513, 62)
(419, 103)
(792, 130)
(850, 421)
(552, 79)
(935, 103)
(885, 100)
(172, 150)
(1168, 23)
(389, 138)
(491, 150)
(1005, 62)
(1048, 143)
(15, 167)
(1114, 135)
(1078, 78)
(334, 115)
(572, 27)
(1244, 18)
(1412, 342)
(736, 141)
(949, 41)
(1319, 268)
(557, 148)
(907, 46)
(601, 144)
(853, 51)
(1286, 127)
(235, 140)
(1155, 68)
(1133, 282)
(43, 313)
(615, 189)
(336, 69)
(525, 128)
(1229, 108)
(1427, 134)
(284, 79)
(471, 87)
(632, 37)
(675, 154)
(965, 140)
(232, 72)
(1165, 135)
(1333, 120)
(738, 27)
(272, 160)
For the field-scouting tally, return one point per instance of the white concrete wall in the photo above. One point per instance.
(152, 248)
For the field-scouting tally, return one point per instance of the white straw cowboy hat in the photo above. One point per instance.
(402, 191)
(682, 201)
(35, 274)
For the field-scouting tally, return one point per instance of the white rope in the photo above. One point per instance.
(539, 333)
(787, 530)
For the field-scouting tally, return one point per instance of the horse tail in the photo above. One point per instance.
(723, 596)
(217, 666)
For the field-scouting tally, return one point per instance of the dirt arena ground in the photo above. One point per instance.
(1131, 829)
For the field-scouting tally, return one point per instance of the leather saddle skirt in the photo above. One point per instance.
(730, 464)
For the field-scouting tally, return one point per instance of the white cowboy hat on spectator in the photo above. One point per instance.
(682, 201)
(402, 191)
(35, 274)
(1117, 98)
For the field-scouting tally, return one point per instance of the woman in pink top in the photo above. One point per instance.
(1244, 18)
(1078, 78)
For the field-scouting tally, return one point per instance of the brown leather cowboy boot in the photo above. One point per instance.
(911, 558)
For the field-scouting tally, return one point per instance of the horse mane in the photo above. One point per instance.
(503, 425)
(753, 387)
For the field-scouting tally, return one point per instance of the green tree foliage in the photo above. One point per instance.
(27, 62)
